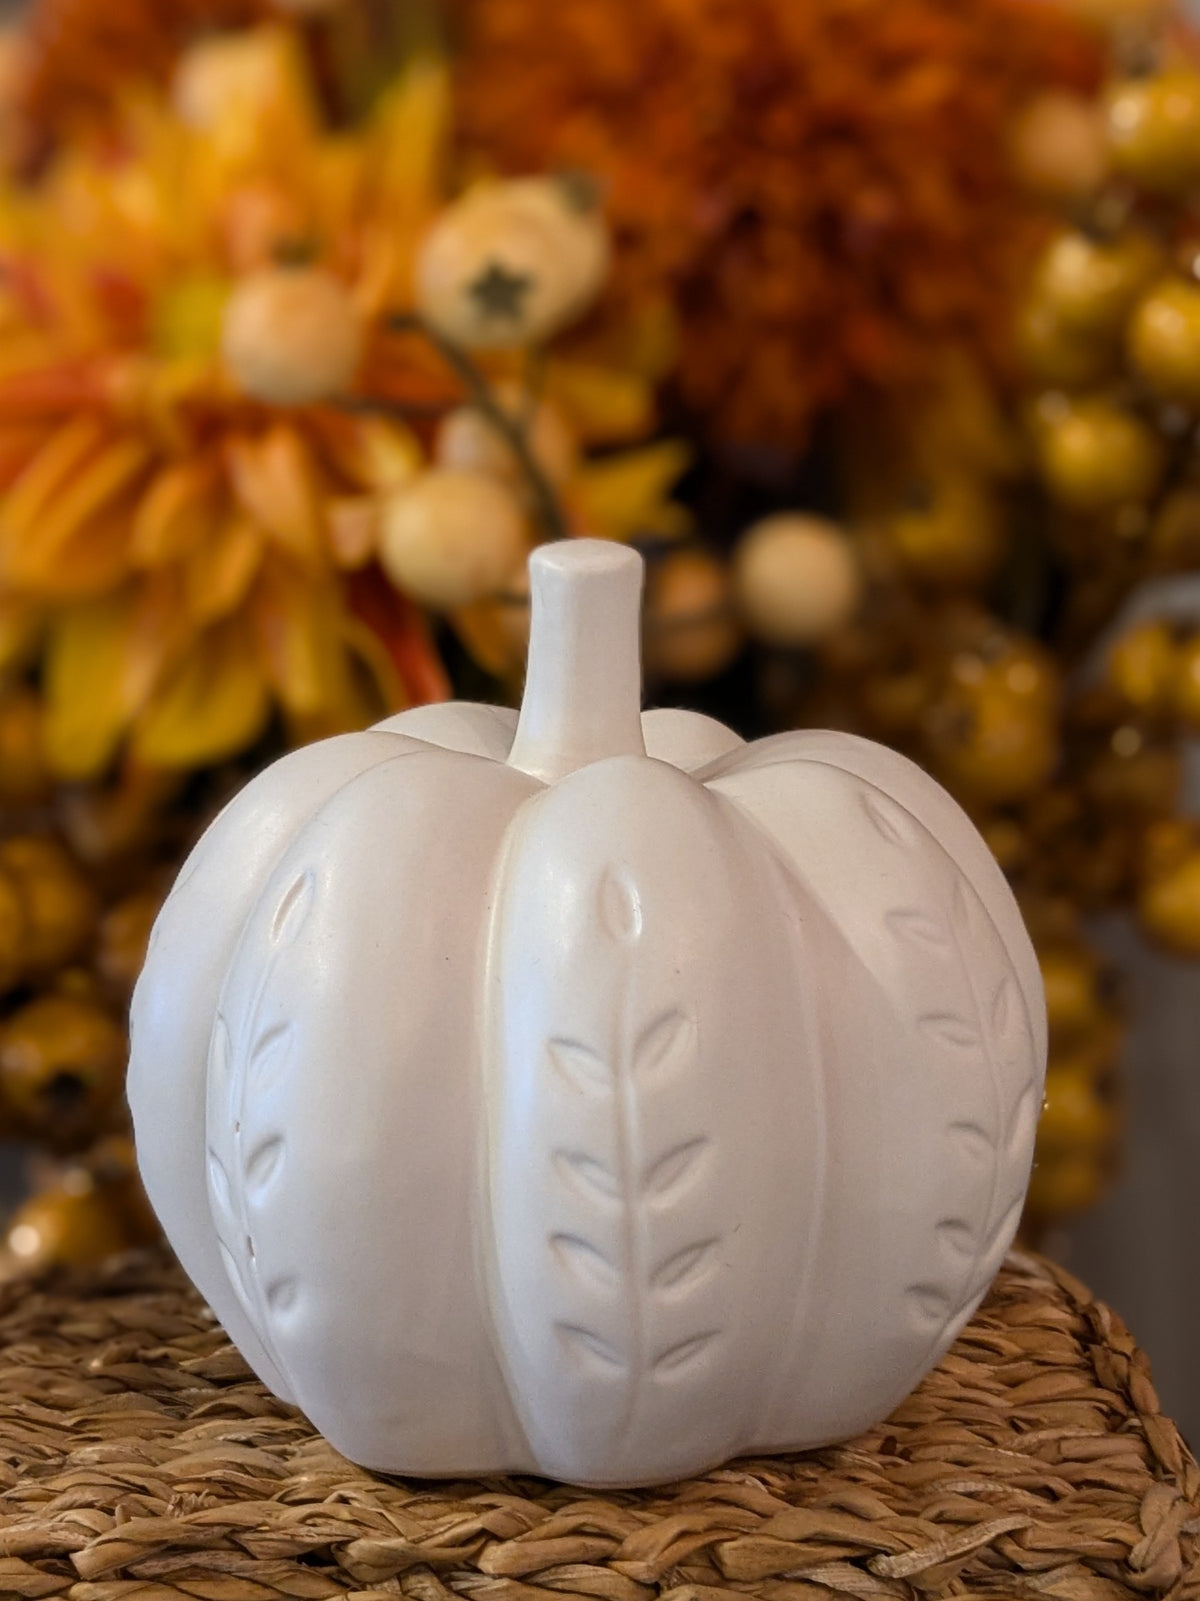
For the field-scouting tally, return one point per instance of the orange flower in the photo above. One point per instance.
(822, 188)
(186, 547)
(188, 559)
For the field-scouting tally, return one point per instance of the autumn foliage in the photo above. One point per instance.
(822, 189)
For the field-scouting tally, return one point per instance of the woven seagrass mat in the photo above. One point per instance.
(139, 1460)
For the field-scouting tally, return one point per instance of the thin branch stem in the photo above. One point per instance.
(404, 410)
(545, 500)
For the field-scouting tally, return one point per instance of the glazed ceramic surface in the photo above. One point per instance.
(588, 1093)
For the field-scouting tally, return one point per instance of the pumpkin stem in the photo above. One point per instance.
(583, 685)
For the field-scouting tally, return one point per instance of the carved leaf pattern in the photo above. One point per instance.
(218, 1182)
(269, 1054)
(620, 905)
(910, 921)
(669, 1175)
(890, 820)
(973, 1139)
(218, 1055)
(954, 1030)
(583, 1259)
(956, 1236)
(686, 1267)
(581, 1067)
(972, 1033)
(632, 1193)
(588, 1174)
(684, 1354)
(666, 1044)
(582, 1343)
(247, 1156)
(1004, 1004)
(263, 1164)
(292, 910)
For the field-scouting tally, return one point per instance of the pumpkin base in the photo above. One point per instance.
(138, 1450)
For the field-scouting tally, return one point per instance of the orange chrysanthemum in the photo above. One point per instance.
(187, 559)
(823, 189)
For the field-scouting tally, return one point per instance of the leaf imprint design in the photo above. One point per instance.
(891, 821)
(1004, 1005)
(218, 1181)
(963, 907)
(587, 1174)
(931, 1304)
(677, 1167)
(579, 1065)
(949, 1028)
(282, 1294)
(218, 1051)
(975, 1141)
(957, 1236)
(268, 1054)
(620, 905)
(910, 923)
(292, 910)
(664, 1044)
(585, 1260)
(589, 1349)
(686, 1268)
(263, 1164)
(233, 1271)
(685, 1354)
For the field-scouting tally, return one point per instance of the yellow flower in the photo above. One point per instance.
(189, 560)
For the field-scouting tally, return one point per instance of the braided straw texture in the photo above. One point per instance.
(140, 1461)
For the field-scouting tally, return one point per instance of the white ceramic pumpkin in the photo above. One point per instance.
(590, 1094)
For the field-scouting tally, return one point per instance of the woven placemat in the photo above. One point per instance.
(141, 1460)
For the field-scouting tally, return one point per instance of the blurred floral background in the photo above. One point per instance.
(873, 324)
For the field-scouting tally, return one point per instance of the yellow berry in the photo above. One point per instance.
(1076, 1120)
(59, 903)
(796, 579)
(1164, 341)
(1154, 130)
(1071, 979)
(991, 747)
(1143, 666)
(62, 1066)
(690, 632)
(1052, 353)
(291, 335)
(1095, 457)
(1169, 904)
(512, 263)
(957, 539)
(71, 1225)
(1061, 1186)
(451, 538)
(1186, 689)
(226, 82)
(1058, 145)
(1090, 283)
